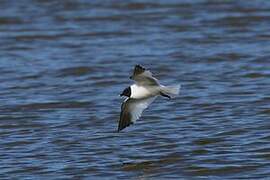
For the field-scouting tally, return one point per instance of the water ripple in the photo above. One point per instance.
(64, 63)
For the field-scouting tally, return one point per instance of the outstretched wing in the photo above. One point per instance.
(131, 110)
(143, 77)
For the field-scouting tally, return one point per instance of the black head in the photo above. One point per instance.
(126, 92)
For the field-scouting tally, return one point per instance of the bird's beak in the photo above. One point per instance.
(120, 95)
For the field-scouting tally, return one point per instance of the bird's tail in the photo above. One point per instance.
(171, 91)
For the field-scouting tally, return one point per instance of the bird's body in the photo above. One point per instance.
(141, 94)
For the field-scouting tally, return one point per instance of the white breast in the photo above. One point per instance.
(138, 92)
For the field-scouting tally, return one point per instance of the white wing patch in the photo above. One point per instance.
(139, 106)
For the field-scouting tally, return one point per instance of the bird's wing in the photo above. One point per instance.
(143, 77)
(131, 110)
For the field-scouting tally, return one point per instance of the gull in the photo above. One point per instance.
(141, 94)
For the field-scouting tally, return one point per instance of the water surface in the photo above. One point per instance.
(64, 63)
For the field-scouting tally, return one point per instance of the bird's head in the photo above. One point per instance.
(126, 92)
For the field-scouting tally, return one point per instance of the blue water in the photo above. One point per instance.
(63, 65)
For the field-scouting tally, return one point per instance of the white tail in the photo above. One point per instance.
(171, 91)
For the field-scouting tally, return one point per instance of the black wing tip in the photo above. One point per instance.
(139, 67)
(121, 127)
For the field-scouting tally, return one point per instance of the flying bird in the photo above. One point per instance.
(141, 94)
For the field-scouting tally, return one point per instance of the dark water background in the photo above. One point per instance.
(64, 63)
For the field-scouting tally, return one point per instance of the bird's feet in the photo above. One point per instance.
(165, 95)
